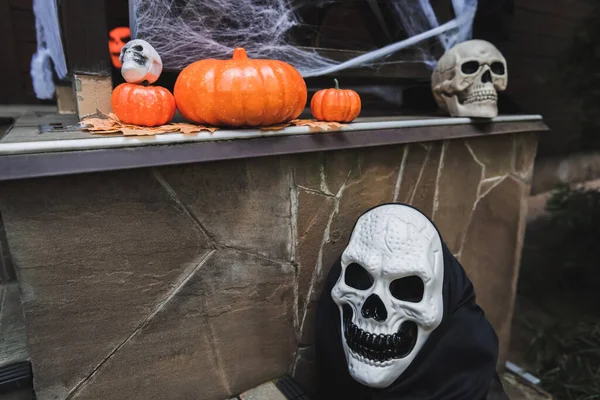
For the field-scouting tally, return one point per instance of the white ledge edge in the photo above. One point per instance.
(49, 146)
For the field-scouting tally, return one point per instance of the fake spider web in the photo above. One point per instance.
(183, 31)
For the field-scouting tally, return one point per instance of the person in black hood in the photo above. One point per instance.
(398, 319)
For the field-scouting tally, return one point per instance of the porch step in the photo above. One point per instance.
(284, 388)
(16, 379)
(15, 369)
(519, 389)
(13, 342)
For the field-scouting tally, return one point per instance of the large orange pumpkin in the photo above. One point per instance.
(240, 91)
(335, 105)
(143, 105)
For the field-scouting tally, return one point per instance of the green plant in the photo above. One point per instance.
(566, 357)
(574, 234)
(560, 271)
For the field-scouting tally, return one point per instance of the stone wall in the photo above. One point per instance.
(202, 281)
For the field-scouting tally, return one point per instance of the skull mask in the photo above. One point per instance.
(389, 292)
(141, 63)
(117, 39)
(467, 78)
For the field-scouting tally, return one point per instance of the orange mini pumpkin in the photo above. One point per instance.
(143, 105)
(240, 91)
(335, 105)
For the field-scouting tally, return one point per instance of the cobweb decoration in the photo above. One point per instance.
(183, 31)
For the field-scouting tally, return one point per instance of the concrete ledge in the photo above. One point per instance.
(24, 153)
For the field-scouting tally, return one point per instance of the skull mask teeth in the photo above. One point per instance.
(467, 79)
(140, 62)
(389, 292)
(382, 349)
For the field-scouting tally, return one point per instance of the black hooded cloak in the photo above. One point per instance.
(458, 361)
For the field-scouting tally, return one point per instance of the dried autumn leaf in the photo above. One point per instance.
(106, 132)
(100, 123)
(275, 127)
(97, 124)
(138, 132)
(191, 128)
(318, 126)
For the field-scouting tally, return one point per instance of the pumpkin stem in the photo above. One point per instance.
(240, 54)
(337, 84)
(145, 83)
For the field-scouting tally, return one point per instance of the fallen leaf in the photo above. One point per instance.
(98, 124)
(101, 123)
(139, 132)
(108, 131)
(191, 128)
(318, 126)
(275, 127)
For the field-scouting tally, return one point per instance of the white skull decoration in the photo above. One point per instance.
(389, 292)
(140, 62)
(467, 79)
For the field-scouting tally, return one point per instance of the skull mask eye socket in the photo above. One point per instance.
(358, 277)
(498, 68)
(409, 288)
(123, 39)
(138, 48)
(470, 67)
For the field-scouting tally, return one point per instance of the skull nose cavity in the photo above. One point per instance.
(374, 308)
(486, 77)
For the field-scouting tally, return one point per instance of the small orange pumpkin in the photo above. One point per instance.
(335, 105)
(143, 105)
(240, 91)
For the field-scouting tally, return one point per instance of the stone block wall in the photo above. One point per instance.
(202, 281)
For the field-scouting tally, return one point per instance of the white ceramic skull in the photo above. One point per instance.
(467, 79)
(389, 292)
(140, 62)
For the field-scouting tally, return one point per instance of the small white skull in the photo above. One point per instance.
(140, 62)
(389, 292)
(467, 78)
